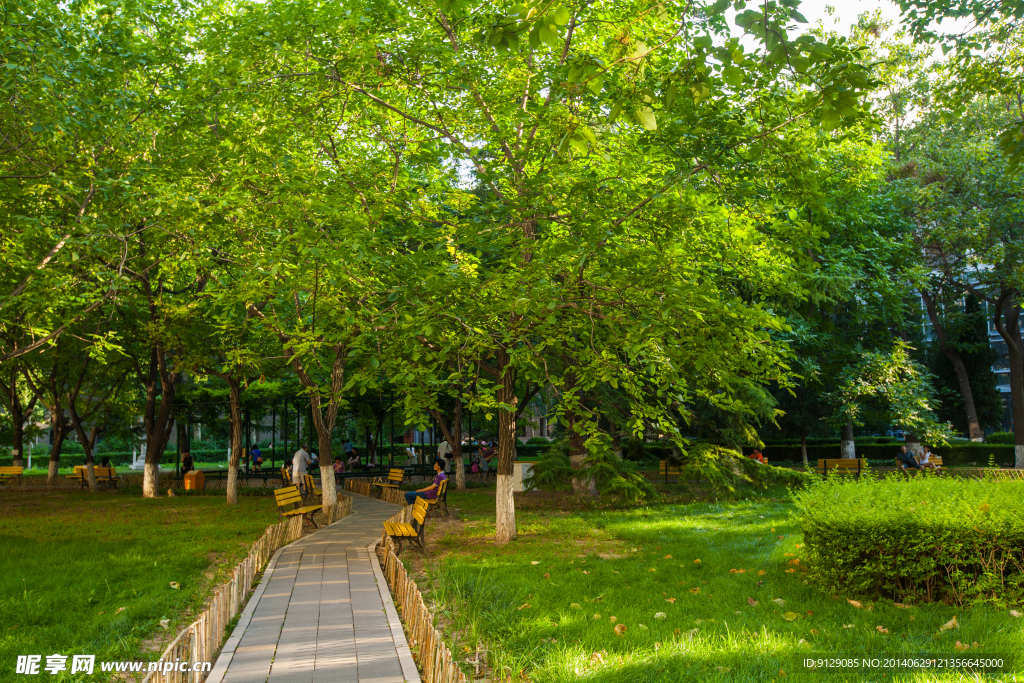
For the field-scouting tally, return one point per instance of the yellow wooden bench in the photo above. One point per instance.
(8, 474)
(441, 500)
(286, 476)
(400, 531)
(846, 465)
(395, 478)
(311, 489)
(290, 495)
(104, 475)
(667, 470)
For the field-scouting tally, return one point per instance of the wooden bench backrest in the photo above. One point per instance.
(289, 495)
(419, 511)
(442, 489)
(11, 470)
(841, 463)
(286, 475)
(307, 479)
(935, 459)
(664, 467)
(396, 474)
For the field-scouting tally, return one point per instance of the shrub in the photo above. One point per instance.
(725, 469)
(954, 455)
(613, 477)
(926, 538)
(538, 440)
(1000, 437)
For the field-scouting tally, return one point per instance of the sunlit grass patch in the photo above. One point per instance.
(71, 561)
(706, 591)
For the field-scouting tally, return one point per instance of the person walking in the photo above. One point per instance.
(256, 458)
(430, 492)
(299, 463)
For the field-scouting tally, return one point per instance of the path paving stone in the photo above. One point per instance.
(320, 617)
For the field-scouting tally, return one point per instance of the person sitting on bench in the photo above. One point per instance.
(926, 462)
(906, 459)
(430, 493)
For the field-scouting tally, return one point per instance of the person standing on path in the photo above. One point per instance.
(299, 462)
(430, 493)
(444, 450)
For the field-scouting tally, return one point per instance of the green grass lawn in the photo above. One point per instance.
(71, 561)
(547, 604)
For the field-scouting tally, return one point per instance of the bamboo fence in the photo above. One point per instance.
(201, 640)
(434, 657)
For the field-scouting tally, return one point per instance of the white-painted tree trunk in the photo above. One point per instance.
(150, 480)
(1019, 453)
(505, 510)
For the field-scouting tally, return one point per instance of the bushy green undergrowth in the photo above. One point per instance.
(919, 539)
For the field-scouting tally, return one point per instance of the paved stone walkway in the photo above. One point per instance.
(322, 612)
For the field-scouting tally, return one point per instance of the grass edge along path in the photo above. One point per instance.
(96, 573)
(621, 595)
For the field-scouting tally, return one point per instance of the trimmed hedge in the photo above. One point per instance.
(920, 539)
(40, 457)
(957, 455)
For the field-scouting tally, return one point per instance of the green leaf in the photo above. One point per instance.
(733, 75)
(645, 117)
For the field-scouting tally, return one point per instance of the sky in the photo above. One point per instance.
(845, 12)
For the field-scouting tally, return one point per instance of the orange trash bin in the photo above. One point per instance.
(195, 480)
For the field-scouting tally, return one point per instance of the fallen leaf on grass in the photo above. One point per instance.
(667, 557)
(790, 571)
(174, 585)
(535, 562)
(695, 590)
(724, 669)
(672, 600)
(781, 537)
(657, 646)
(855, 604)
(911, 617)
(652, 569)
(814, 631)
(585, 571)
(760, 516)
(100, 612)
(573, 605)
(619, 629)
(696, 561)
(546, 575)
(881, 629)
(790, 616)
(660, 615)
(527, 606)
(596, 617)
(799, 545)
(788, 555)
(752, 602)
(760, 582)
(613, 619)
(642, 627)
(779, 601)
(119, 610)
(801, 642)
(900, 605)
(598, 657)
(165, 623)
(1015, 613)
(949, 625)
(960, 646)
(761, 572)
(847, 625)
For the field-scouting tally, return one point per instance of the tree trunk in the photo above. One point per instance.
(803, 448)
(505, 508)
(1008, 311)
(60, 432)
(88, 441)
(847, 449)
(617, 444)
(454, 438)
(974, 431)
(18, 414)
(913, 444)
(235, 421)
(157, 418)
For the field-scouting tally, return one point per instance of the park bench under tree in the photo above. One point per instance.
(290, 496)
(104, 475)
(395, 478)
(666, 470)
(934, 459)
(441, 500)
(310, 484)
(847, 465)
(9, 474)
(401, 531)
